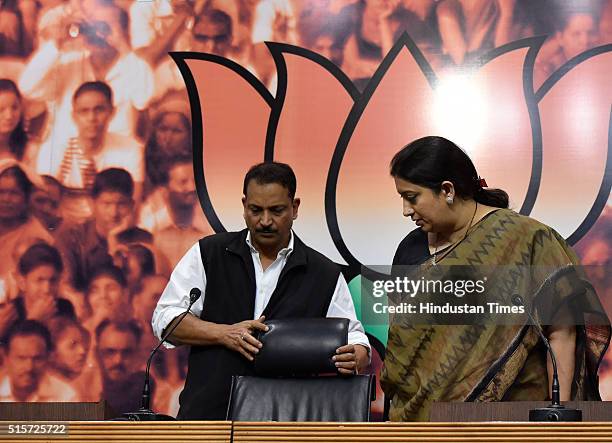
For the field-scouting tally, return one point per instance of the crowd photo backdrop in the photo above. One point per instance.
(126, 128)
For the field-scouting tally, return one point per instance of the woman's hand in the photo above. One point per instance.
(563, 343)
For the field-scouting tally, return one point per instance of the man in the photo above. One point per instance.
(95, 47)
(90, 245)
(264, 271)
(117, 344)
(74, 161)
(173, 214)
(28, 345)
(38, 275)
(213, 33)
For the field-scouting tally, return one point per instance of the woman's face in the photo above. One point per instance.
(71, 350)
(105, 295)
(10, 112)
(13, 201)
(426, 208)
(171, 133)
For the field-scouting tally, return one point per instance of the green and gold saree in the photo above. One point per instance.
(484, 361)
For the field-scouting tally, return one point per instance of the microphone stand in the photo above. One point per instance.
(555, 411)
(145, 413)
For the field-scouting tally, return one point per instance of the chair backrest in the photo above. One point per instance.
(331, 398)
(287, 387)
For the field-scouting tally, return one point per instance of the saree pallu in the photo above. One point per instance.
(494, 362)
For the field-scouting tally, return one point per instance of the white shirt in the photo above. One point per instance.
(273, 14)
(117, 151)
(189, 273)
(50, 388)
(53, 76)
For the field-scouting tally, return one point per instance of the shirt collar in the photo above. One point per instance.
(282, 253)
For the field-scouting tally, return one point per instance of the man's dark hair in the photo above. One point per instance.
(271, 172)
(97, 86)
(218, 17)
(40, 254)
(59, 325)
(113, 180)
(180, 159)
(111, 271)
(119, 325)
(27, 328)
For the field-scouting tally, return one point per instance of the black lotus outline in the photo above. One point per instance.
(532, 99)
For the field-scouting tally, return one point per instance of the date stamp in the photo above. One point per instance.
(34, 429)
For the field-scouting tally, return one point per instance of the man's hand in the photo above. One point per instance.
(351, 359)
(237, 337)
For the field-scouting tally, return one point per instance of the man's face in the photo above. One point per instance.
(110, 208)
(91, 113)
(269, 213)
(212, 37)
(105, 294)
(42, 281)
(13, 202)
(103, 28)
(45, 204)
(181, 184)
(115, 352)
(26, 362)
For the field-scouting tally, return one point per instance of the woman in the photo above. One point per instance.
(17, 226)
(13, 138)
(367, 30)
(462, 223)
(68, 361)
(171, 137)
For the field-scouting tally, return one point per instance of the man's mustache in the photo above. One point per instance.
(266, 231)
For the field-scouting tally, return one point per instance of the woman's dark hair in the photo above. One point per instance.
(23, 182)
(145, 258)
(429, 161)
(58, 326)
(18, 138)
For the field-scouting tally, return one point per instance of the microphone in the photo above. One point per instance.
(145, 413)
(555, 411)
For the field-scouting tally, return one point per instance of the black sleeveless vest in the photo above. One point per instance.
(305, 289)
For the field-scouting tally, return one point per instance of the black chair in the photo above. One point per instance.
(297, 379)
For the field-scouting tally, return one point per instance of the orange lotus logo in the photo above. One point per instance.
(549, 148)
